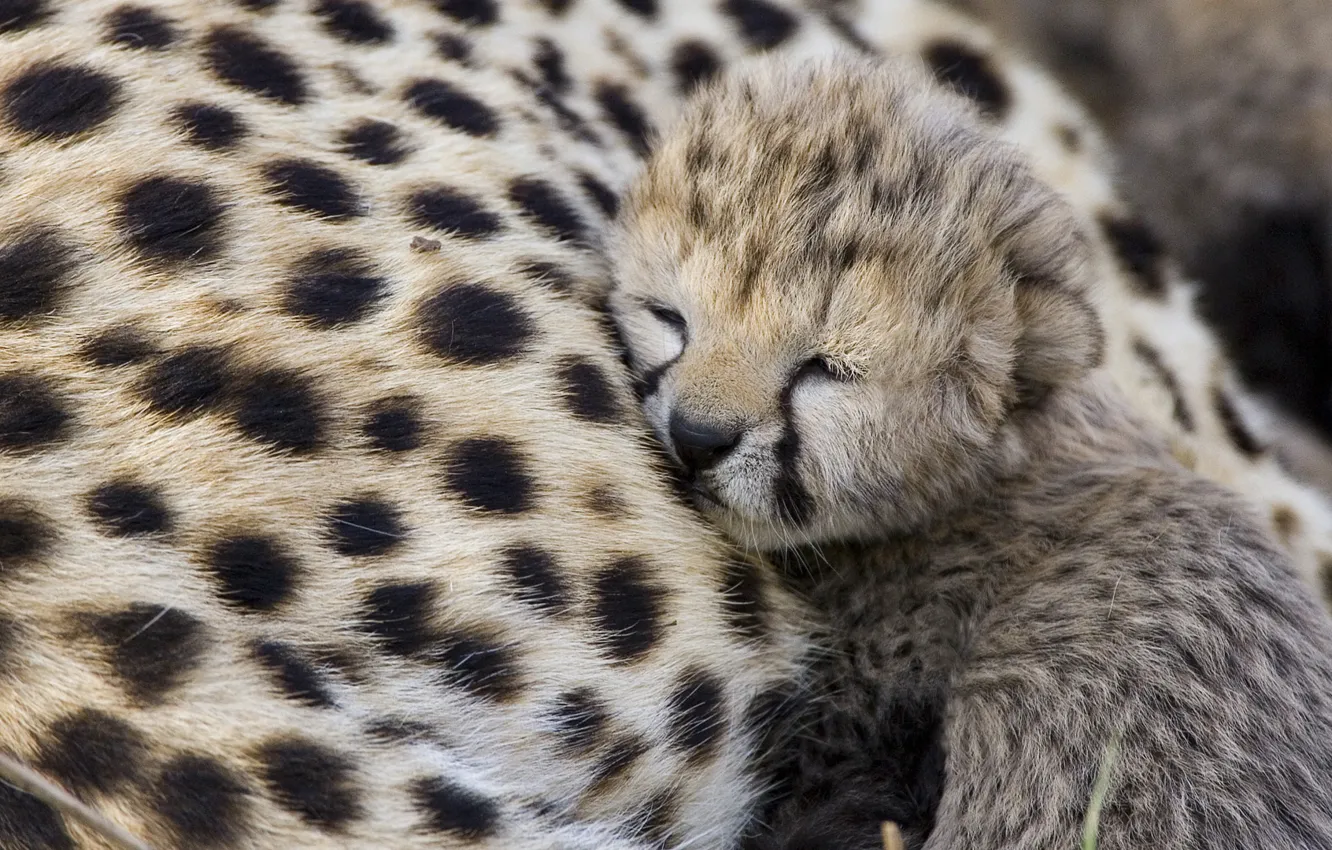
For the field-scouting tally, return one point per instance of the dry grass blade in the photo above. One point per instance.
(1091, 825)
(29, 781)
(892, 836)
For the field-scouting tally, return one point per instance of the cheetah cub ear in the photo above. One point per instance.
(1060, 338)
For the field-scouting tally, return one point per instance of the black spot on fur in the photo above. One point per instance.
(311, 781)
(1268, 290)
(970, 73)
(191, 380)
(846, 783)
(279, 407)
(620, 756)
(244, 60)
(646, 8)
(313, 188)
(762, 24)
(253, 572)
(556, 7)
(52, 100)
(256, 5)
(24, 535)
(30, 413)
(33, 271)
(478, 663)
(580, 719)
(394, 424)
(626, 115)
(770, 716)
(400, 730)
(447, 209)
(742, 598)
(353, 21)
(152, 648)
(1152, 359)
(542, 203)
(600, 193)
(117, 346)
(171, 219)
(126, 508)
(205, 804)
(91, 750)
(210, 127)
(470, 323)
(693, 63)
(139, 27)
(474, 12)
(607, 502)
(333, 287)
(365, 526)
(653, 821)
(588, 392)
(1070, 137)
(1139, 252)
(399, 616)
(627, 609)
(536, 578)
(27, 823)
(698, 713)
(20, 15)
(453, 47)
(452, 107)
(375, 142)
(490, 474)
(548, 275)
(568, 119)
(844, 28)
(1238, 432)
(453, 809)
(550, 62)
(298, 679)
(10, 641)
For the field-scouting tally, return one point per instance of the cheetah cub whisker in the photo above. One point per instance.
(862, 326)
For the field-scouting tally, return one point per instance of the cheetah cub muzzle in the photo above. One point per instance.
(836, 299)
(867, 334)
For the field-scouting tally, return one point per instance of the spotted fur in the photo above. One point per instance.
(327, 518)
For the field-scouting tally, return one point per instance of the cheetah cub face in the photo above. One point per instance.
(841, 296)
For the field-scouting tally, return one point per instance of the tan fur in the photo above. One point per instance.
(599, 494)
(773, 237)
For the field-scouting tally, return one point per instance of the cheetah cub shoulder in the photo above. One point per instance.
(865, 332)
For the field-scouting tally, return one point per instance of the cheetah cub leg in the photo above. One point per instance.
(864, 331)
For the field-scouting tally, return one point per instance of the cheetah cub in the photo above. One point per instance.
(864, 331)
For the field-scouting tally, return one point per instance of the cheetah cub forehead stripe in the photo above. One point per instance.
(837, 288)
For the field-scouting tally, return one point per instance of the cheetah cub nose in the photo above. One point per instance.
(700, 444)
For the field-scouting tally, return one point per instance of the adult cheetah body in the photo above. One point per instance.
(326, 517)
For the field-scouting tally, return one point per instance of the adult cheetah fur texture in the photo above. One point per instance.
(327, 518)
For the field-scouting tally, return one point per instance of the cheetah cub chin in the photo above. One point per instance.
(863, 329)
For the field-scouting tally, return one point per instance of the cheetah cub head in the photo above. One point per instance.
(841, 296)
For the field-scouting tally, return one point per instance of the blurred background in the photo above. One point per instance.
(1221, 115)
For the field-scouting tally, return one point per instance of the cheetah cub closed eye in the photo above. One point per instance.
(863, 329)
